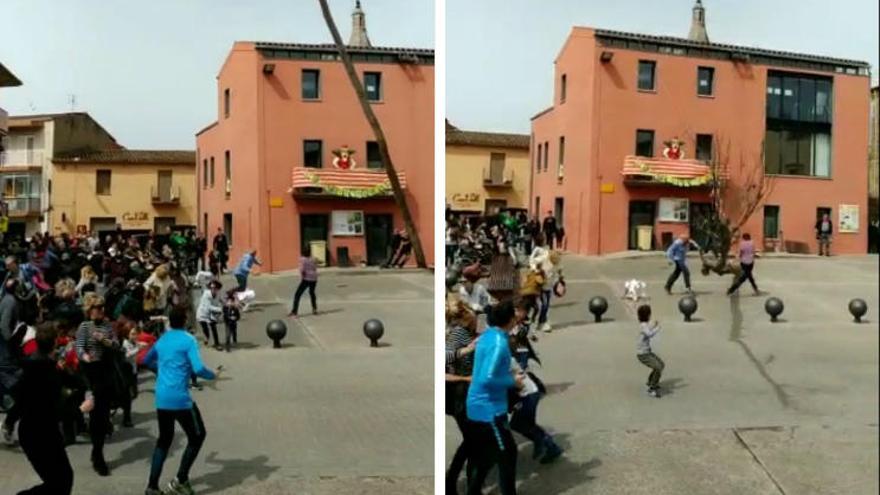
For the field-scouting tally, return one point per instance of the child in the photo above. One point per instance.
(521, 334)
(643, 349)
(131, 346)
(231, 315)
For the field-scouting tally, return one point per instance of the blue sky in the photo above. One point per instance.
(146, 69)
(500, 52)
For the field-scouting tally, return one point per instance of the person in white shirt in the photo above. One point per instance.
(548, 262)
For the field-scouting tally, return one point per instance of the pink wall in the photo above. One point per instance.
(271, 134)
(604, 109)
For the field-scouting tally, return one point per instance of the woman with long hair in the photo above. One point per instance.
(461, 338)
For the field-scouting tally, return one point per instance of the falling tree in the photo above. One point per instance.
(396, 189)
(733, 204)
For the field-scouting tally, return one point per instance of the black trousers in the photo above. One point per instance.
(43, 445)
(303, 285)
(99, 376)
(492, 444)
(745, 275)
(210, 329)
(190, 421)
(680, 269)
(231, 333)
(460, 457)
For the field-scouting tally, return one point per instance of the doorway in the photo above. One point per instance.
(559, 212)
(164, 185)
(163, 225)
(697, 216)
(102, 224)
(640, 213)
(494, 206)
(378, 237)
(313, 228)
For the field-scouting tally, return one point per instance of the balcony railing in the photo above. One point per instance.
(4, 121)
(504, 179)
(359, 183)
(165, 195)
(22, 158)
(19, 207)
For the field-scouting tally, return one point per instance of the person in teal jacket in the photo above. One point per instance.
(489, 436)
(176, 355)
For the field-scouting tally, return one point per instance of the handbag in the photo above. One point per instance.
(559, 288)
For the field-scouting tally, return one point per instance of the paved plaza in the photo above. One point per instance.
(325, 414)
(750, 407)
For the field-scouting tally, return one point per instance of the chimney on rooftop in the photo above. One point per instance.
(359, 27)
(698, 24)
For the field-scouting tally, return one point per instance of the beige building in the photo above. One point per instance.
(26, 172)
(139, 190)
(486, 171)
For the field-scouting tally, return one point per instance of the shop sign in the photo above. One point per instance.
(465, 201)
(673, 210)
(848, 218)
(348, 223)
(131, 219)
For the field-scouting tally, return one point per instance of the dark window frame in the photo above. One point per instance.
(705, 156)
(212, 172)
(227, 165)
(205, 173)
(563, 88)
(546, 155)
(107, 188)
(776, 218)
(320, 153)
(302, 84)
(652, 64)
(378, 95)
(226, 103)
(639, 149)
(711, 77)
(377, 158)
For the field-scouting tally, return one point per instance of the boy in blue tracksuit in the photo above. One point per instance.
(176, 355)
(490, 437)
(243, 269)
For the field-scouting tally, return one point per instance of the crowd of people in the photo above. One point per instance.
(81, 316)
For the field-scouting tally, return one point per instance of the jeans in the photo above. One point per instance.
(43, 445)
(656, 364)
(545, 306)
(191, 422)
(680, 268)
(303, 285)
(242, 281)
(210, 329)
(824, 245)
(492, 444)
(524, 420)
(231, 333)
(522, 358)
(745, 275)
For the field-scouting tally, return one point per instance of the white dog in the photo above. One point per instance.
(634, 290)
(245, 298)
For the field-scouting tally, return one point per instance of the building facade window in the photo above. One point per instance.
(647, 70)
(205, 173)
(102, 182)
(227, 162)
(560, 167)
(311, 84)
(374, 158)
(705, 81)
(703, 149)
(312, 151)
(211, 178)
(799, 98)
(373, 85)
(226, 103)
(227, 227)
(546, 155)
(563, 88)
(644, 143)
(771, 222)
(537, 156)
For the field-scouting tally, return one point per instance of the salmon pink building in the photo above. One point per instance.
(622, 156)
(292, 162)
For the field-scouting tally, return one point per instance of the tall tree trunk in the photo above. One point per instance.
(399, 197)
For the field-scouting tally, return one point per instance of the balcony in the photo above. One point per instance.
(359, 183)
(22, 207)
(501, 179)
(4, 122)
(22, 159)
(167, 196)
(651, 171)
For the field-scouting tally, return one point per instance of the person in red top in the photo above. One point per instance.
(145, 340)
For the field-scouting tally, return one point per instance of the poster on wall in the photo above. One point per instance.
(348, 223)
(673, 210)
(849, 219)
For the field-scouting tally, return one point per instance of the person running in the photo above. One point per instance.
(209, 310)
(308, 271)
(746, 264)
(243, 270)
(646, 356)
(231, 315)
(489, 436)
(37, 396)
(175, 357)
(677, 253)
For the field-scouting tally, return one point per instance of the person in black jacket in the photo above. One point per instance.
(221, 245)
(824, 229)
(549, 227)
(38, 395)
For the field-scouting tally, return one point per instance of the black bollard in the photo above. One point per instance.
(374, 329)
(774, 308)
(276, 330)
(858, 308)
(688, 306)
(598, 306)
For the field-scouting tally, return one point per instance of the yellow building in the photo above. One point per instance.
(486, 171)
(138, 190)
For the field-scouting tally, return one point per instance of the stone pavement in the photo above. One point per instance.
(750, 407)
(326, 414)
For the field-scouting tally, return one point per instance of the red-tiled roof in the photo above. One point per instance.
(456, 136)
(123, 156)
(331, 47)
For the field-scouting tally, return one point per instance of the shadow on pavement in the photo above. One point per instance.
(670, 385)
(233, 472)
(558, 477)
(557, 388)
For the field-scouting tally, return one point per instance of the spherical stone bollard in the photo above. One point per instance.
(774, 308)
(276, 330)
(858, 308)
(688, 306)
(598, 306)
(374, 329)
